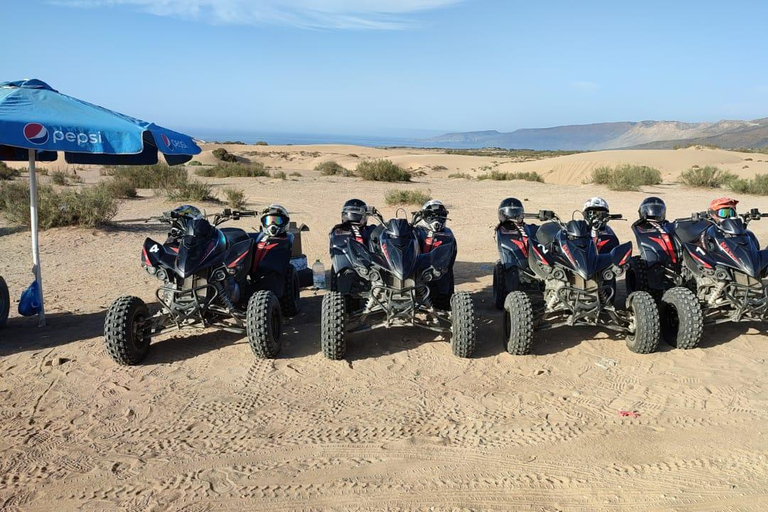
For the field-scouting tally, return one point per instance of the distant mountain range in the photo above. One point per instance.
(623, 135)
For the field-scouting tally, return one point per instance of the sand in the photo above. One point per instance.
(401, 424)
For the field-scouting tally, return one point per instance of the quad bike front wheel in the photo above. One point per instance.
(264, 324)
(125, 334)
(636, 279)
(518, 323)
(644, 316)
(463, 330)
(5, 302)
(289, 302)
(333, 326)
(682, 321)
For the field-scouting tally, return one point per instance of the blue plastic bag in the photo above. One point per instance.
(29, 304)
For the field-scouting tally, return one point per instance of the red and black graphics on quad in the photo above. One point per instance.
(441, 288)
(724, 264)
(210, 276)
(658, 266)
(383, 278)
(578, 283)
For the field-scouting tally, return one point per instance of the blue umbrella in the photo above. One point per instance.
(36, 122)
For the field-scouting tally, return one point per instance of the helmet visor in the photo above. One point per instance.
(654, 211)
(354, 214)
(273, 220)
(514, 213)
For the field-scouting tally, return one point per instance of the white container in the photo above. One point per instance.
(318, 274)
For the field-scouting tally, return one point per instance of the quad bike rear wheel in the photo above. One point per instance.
(682, 322)
(264, 324)
(463, 331)
(518, 323)
(289, 302)
(333, 326)
(5, 302)
(126, 337)
(442, 301)
(645, 317)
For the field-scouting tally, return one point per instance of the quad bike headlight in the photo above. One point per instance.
(161, 274)
(721, 274)
(608, 274)
(150, 270)
(426, 276)
(559, 274)
(374, 275)
(362, 270)
(219, 275)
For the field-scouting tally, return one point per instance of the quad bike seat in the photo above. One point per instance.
(234, 235)
(689, 230)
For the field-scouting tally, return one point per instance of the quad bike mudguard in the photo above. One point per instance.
(270, 261)
(436, 242)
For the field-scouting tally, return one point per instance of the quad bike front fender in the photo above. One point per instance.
(155, 254)
(270, 263)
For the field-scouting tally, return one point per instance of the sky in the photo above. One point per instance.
(395, 67)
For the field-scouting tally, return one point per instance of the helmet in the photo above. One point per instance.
(653, 208)
(274, 219)
(722, 208)
(593, 206)
(355, 211)
(512, 210)
(435, 213)
(187, 210)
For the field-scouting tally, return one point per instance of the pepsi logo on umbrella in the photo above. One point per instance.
(36, 133)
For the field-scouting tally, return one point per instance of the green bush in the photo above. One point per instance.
(59, 178)
(626, 177)
(121, 188)
(332, 168)
(191, 190)
(261, 143)
(460, 175)
(279, 175)
(90, 206)
(296, 173)
(195, 163)
(252, 170)
(224, 155)
(6, 173)
(415, 197)
(381, 170)
(508, 176)
(757, 185)
(706, 177)
(235, 197)
(156, 176)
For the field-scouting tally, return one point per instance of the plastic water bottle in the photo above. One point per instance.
(318, 274)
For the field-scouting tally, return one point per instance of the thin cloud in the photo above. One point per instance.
(585, 86)
(309, 14)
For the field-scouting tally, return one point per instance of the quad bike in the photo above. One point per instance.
(385, 281)
(441, 289)
(512, 272)
(658, 270)
(5, 302)
(578, 285)
(721, 263)
(219, 277)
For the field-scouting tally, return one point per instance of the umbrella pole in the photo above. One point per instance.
(35, 246)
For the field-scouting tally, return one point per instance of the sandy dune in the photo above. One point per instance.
(403, 424)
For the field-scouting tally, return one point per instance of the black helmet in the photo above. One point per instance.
(435, 213)
(653, 208)
(274, 219)
(355, 211)
(511, 210)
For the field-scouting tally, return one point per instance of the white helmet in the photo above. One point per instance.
(596, 203)
(274, 219)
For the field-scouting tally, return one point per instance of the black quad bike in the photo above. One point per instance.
(578, 285)
(658, 270)
(721, 263)
(511, 272)
(5, 302)
(388, 280)
(220, 277)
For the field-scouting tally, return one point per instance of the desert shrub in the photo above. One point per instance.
(626, 177)
(190, 190)
(121, 188)
(415, 197)
(59, 178)
(90, 206)
(149, 176)
(252, 170)
(235, 197)
(224, 155)
(279, 175)
(508, 176)
(195, 163)
(332, 168)
(438, 167)
(706, 177)
(757, 185)
(461, 175)
(296, 173)
(261, 143)
(381, 170)
(6, 173)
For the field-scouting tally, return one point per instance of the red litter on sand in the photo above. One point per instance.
(629, 414)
